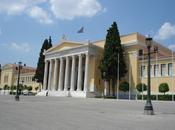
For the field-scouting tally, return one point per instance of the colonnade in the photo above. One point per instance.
(69, 73)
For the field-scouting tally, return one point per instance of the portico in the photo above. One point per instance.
(66, 71)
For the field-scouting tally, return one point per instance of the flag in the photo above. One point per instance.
(81, 30)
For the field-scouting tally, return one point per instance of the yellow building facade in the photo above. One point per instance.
(72, 68)
(9, 76)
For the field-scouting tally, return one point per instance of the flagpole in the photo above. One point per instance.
(129, 79)
(118, 77)
(142, 74)
(157, 79)
(172, 75)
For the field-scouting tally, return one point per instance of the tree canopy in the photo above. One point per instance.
(113, 52)
(124, 86)
(141, 87)
(39, 75)
(163, 88)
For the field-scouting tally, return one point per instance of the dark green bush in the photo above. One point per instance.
(163, 88)
(160, 97)
(139, 87)
(124, 86)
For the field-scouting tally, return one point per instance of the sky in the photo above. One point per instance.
(25, 24)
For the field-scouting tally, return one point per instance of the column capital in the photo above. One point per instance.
(80, 55)
(56, 59)
(73, 56)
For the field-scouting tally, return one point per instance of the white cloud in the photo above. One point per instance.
(25, 47)
(60, 9)
(166, 31)
(172, 46)
(69, 9)
(14, 7)
(40, 15)
(17, 7)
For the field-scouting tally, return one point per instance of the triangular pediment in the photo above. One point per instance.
(7, 66)
(64, 46)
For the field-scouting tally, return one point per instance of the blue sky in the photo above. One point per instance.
(24, 24)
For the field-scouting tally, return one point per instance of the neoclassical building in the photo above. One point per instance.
(9, 75)
(72, 68)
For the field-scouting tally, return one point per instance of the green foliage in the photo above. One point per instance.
(112, 51)
(139, 87)
(124, 86)
(29, 88)
(36, 88)
(153, 97)
(25, 87)
(6, 87)
(112, 48)
(13, 87)
(39, 75)
(163, 88)
(21, 87)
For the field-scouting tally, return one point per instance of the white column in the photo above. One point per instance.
(50, 75)
(73, 74)
(66, 82)
(55, 75)
(45, 75)
(79, 73)
(86, 73)
(61, 74)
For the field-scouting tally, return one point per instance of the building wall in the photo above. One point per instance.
(9, 77)
(157, 80)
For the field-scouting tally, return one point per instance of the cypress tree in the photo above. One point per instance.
(112, 49)
(39, 75)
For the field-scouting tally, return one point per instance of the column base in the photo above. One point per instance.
(81, 94)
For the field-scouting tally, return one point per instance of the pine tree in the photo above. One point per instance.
(112, 49)
(39, 75)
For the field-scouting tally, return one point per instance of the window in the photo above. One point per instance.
(163, 69)
(6, 79)
(156, 70)
(143, 71)
(170, 69)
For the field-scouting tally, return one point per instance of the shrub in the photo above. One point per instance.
(6, 87)
(139, 87)
(36, 89)
(124, 86)
(29, 88)
(153, 97)
(163, 88)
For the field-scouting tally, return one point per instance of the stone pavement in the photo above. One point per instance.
(56, 113)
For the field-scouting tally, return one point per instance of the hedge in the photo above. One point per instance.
(160, 97)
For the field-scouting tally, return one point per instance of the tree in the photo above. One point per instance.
(39, 75)
(36, 88)
(6, 87)
(112, 49)
(124, 86)
(141, 87)
(29, 88)
(163, 88)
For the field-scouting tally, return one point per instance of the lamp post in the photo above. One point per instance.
(148, 110)
(17, 88)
